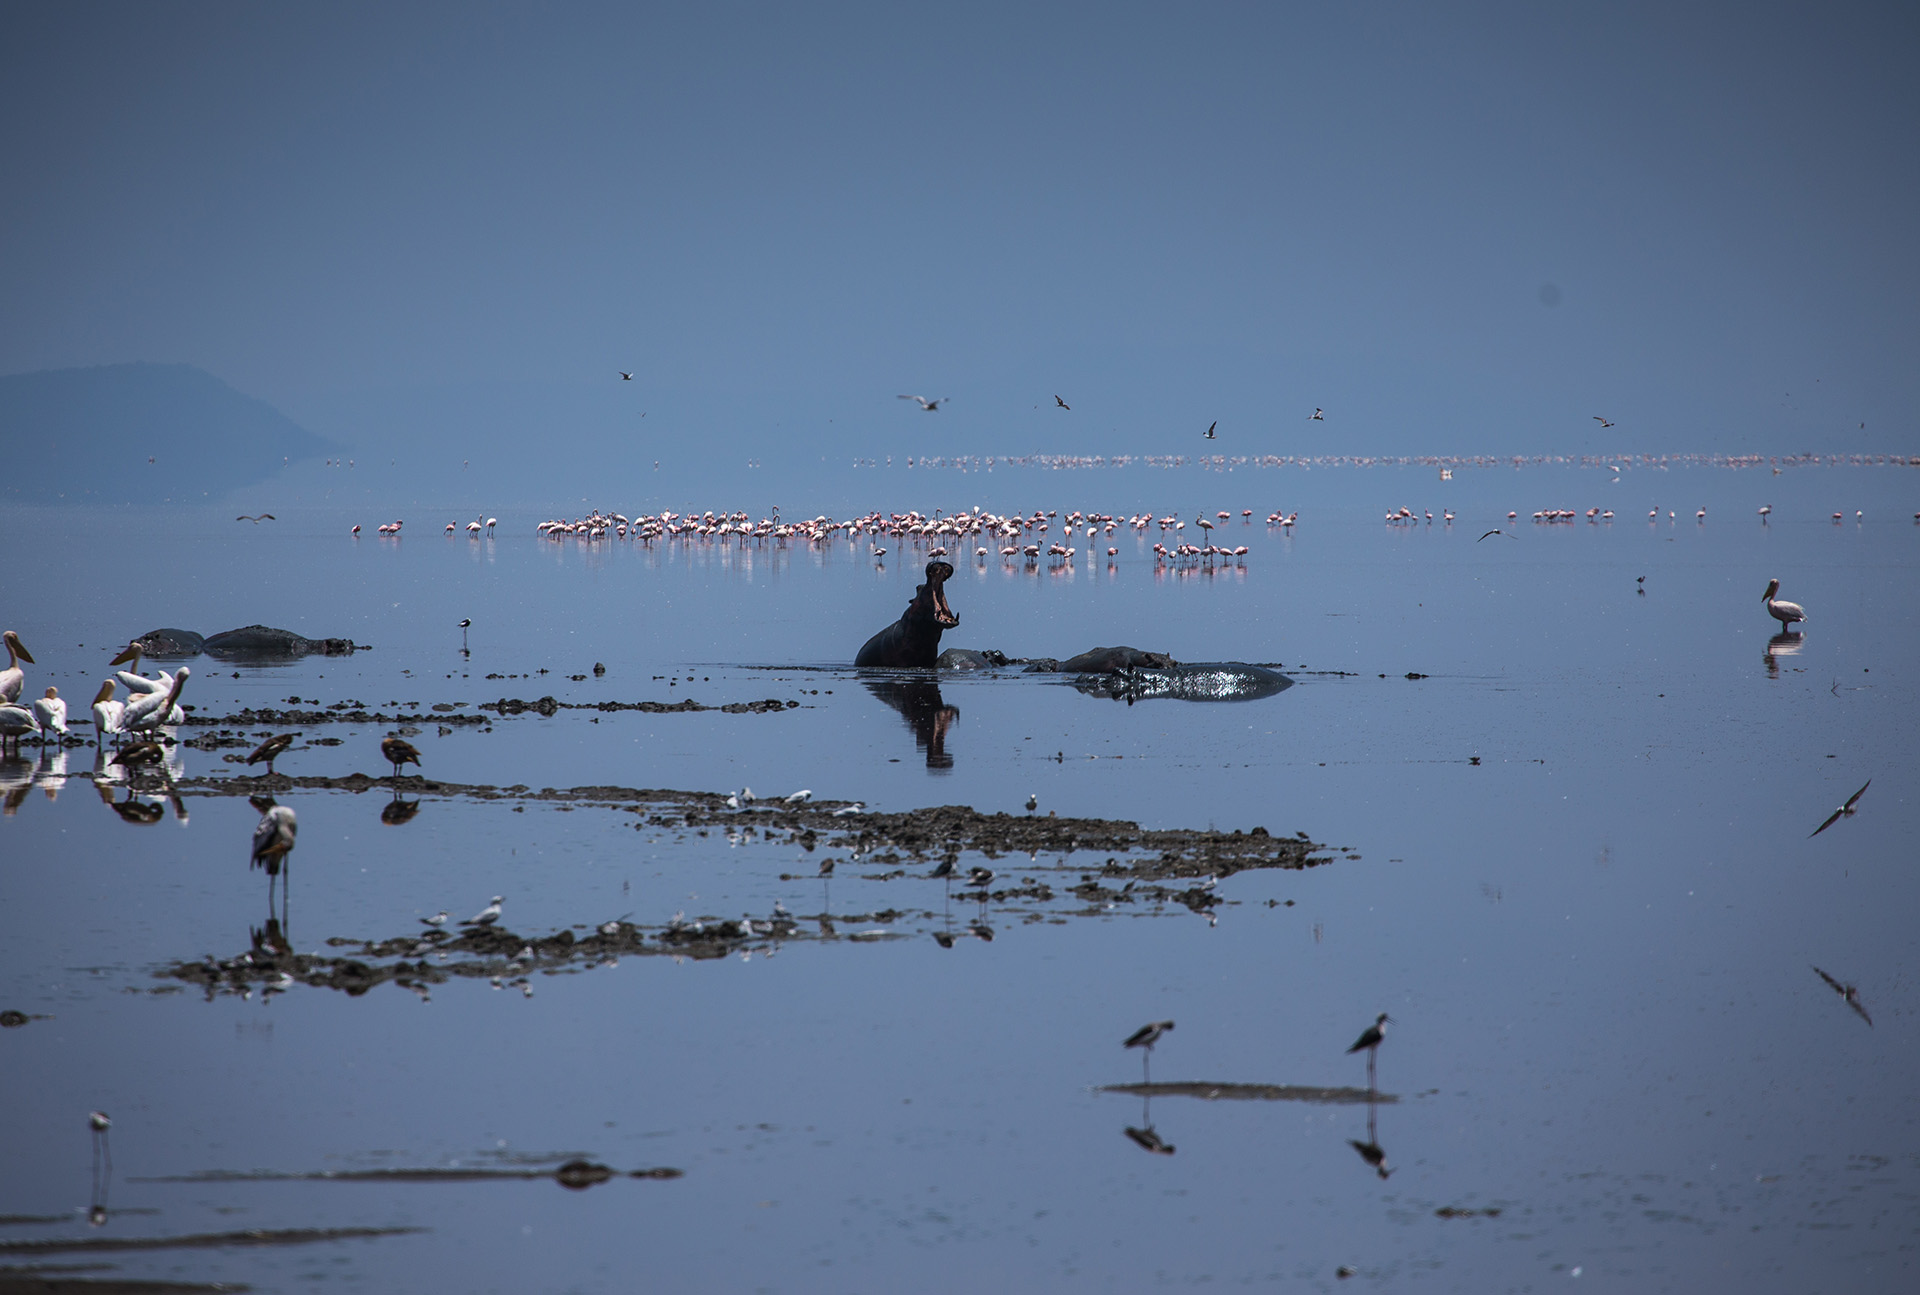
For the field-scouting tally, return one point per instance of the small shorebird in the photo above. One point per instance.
(1845, 811)
(488, 915)
(399, 752)
(438, 919)
(1033, 802)
(1781, 610)
(980, 877)
(270, 749)
(1369, 1042)
(1766, 511)
(930, 406)
(466, 623)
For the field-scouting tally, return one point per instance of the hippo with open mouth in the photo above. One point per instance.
(914, 639)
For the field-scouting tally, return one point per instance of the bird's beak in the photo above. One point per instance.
(21, 649)
(129, 653)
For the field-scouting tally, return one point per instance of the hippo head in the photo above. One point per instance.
(930, 599)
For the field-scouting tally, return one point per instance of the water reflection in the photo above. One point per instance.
(398, 811)
(920, 704)
(1371, 1151)
(1145, 1136)
(1781, 644)
(102, 1167)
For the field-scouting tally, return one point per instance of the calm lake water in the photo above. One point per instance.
(1572, 859)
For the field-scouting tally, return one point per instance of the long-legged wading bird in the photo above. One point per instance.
(399, 752)
(1845, 811)
(271, 749)
(273, 836)
(1369, 1042)
(13, 678)
(1144, 1038)
(15, 723)
(1780, 609)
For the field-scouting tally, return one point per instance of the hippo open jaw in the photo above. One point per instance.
(936, 582)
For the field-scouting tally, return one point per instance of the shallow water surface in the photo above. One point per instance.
(1559, 818)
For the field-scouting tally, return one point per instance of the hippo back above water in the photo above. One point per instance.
(914, 640)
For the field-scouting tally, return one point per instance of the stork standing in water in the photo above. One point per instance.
(1144, 1038)
(1369, 1042)
(1781, 610)
(273, 837)
(13, 678)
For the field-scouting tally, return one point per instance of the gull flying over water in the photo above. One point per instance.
(1845, 811)
(1848, 992)
(932, 406)
(1210, 426)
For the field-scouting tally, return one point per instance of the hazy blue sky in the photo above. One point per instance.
(1457, 227)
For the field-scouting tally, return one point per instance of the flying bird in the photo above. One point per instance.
(263, 517)
(1603, 422)
(1063, 404)
(1848, 992)
(1497, 531)
(932, 406)
(1845, 811)
(625, 376)
(1318, 415)
(1210, 426)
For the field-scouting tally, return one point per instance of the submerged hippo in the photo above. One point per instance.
(914, 639)
(251, 643)
(1134, 675)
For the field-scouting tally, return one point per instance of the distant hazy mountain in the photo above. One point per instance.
(139, 433)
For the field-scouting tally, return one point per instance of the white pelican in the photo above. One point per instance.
(273, 838)
(106, 712)
(13, 678)
(1784, 612)
(50, 712)
(147, 712)
(15, 721)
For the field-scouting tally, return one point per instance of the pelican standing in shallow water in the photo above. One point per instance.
(106, 713)
(148, 711)
(15, 722)
(50, 713)
(13, 678)
(1781, 610)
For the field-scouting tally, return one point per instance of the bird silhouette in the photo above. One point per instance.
(1845, 811)
(931, 406)
(1603, 422)
(1063, 404)
(1210, 426)
(1318, 415)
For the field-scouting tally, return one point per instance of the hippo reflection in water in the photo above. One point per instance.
(1130, 674)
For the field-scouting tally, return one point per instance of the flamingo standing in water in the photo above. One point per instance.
(1781, 610)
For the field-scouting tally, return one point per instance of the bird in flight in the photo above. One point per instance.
(1845, 811)
(1496, 532)
(1849, 993)
(625, 376)
(263, 517)
(1603, 422)
(932, 406)
(1210, 426)
(1063, 404)
(1318, 415)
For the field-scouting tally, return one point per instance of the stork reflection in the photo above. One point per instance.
(920, 704)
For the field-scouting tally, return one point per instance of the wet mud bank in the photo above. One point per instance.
(1049, 870)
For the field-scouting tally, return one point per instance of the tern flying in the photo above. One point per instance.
(1318, 415)
(1603, 422)
(1845, 811)
(1210, 426)
(932, 406)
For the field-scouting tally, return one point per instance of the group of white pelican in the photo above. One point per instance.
(151, 704)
